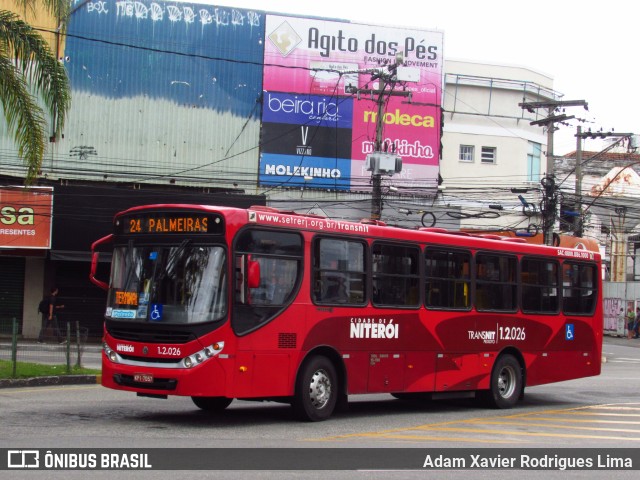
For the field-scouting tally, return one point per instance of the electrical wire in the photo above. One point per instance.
(471, 193)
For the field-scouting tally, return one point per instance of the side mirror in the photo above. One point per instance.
(253, 274)
(94, 268)
(94, 262)
(248, 277)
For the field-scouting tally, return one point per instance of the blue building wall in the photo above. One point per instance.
(191, 54)
(162, 91)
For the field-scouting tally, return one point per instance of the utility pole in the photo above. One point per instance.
(550, 196)
(578, 205)
(376, 176)
(580, 135)
(381, 163)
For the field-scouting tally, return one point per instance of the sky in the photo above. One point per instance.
(589, 49)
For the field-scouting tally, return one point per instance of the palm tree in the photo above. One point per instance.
(30, 73)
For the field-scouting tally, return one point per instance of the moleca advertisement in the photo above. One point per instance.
(317, 132)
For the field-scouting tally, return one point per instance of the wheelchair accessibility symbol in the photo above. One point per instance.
(569, 331)
(156, 312)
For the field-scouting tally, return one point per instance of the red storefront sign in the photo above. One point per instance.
(25, 217)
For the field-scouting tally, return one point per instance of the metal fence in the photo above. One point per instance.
(617, 297)
(72, 352)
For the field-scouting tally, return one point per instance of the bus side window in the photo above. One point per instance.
(539, 280)
(268, 269)
(336, 290)
(339, 271)
(447, 275)
(579, 288)
(496, 282)
(396, 275)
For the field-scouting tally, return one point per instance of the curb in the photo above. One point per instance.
(51, 381)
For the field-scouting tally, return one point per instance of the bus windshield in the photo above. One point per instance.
(181, 284)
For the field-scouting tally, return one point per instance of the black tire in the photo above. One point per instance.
(316, 390)
(507, 384)
(212, 404)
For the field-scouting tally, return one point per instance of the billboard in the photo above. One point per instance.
(25, 217)
(317, 133)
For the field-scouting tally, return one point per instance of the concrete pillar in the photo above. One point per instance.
(33, 293)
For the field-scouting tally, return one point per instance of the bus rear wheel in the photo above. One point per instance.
(212, 404)
(506, 386)
(316, 390)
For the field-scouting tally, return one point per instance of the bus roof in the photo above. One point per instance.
(269, 216)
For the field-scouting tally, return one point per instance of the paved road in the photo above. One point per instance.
(597, 412)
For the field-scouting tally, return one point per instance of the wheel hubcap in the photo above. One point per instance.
(320, 389)
(507, 382)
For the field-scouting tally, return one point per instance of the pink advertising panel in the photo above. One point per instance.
(319, 60)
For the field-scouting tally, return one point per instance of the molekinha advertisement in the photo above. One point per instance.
(317, 133)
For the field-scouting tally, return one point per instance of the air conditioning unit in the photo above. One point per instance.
(381, 163)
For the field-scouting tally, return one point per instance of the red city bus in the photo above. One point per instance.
(222, 303)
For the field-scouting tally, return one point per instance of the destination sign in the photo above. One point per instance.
(170, 222)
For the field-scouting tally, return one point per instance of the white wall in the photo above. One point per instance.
(481, 108)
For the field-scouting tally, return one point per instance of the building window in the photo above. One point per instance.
(533, 162)
(466, 153)
(488, 155)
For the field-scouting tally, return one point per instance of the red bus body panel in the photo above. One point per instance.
(379, 350)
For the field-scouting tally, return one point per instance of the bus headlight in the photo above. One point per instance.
(111, 354)
(203, 355)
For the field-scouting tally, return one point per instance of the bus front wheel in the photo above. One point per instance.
(212, 404)
(316, 390)
(506, 384)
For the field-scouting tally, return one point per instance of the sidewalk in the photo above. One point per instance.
(30, 347)
(621, 341)
(50, 381)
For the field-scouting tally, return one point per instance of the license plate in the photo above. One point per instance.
(143, 377)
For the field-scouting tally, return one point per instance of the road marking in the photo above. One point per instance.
(620, 406)
(572, 420)
(533, 434)
(434, 438)
(597, 419)
(562, 426)
(395, 433)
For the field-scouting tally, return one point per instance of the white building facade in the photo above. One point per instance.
(491, 153)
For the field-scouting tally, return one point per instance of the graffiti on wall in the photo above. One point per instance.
(157, 12)
(614, 309)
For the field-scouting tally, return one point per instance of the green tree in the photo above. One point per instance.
(30, 74)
